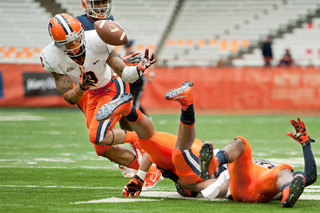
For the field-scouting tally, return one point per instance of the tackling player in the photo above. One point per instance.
(180, 161)
(81, 65)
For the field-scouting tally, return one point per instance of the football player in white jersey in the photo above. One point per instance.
(83, 67)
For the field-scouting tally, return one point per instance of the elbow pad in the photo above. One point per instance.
(131, 74)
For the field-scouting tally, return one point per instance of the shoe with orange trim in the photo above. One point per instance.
(291, 194)
(207, 161)
(152, 178)
(184, 95)
(119, 106)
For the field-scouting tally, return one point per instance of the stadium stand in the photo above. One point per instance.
(182, 32)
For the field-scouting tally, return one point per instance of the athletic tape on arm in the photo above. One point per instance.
(130, 74)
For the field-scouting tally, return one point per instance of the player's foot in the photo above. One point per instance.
(291, 194)
(127, 172)
(152, 178)
(206, 157)
(119, 106)
(185, 192)
(184, 95)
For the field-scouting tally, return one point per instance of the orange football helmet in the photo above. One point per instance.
(67, 33)
(97, 9)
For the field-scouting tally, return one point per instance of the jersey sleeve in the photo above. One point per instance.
(50, 59)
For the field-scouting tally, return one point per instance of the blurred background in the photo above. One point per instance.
(217, 44)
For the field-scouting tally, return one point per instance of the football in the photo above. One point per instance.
(111, 32)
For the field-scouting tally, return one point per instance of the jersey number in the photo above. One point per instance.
(92, 76)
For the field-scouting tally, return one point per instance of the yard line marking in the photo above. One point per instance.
(62, 167)
(117, 200)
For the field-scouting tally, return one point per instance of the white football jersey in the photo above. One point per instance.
(97, 53)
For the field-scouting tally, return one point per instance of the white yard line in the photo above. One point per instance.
(310, 193)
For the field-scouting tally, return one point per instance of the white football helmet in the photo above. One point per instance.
(97, 9)
(65, 29)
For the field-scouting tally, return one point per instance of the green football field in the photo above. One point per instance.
(48, 164)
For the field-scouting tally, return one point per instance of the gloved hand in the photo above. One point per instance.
(301, 135)
(146, 61)
(134, 187)
(132, 59)
(85, 80)
(168, 174)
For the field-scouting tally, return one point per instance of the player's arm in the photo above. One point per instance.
(130, 73)
(71, 95)
(134, 186)
(210, 189)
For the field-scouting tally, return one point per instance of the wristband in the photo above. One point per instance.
(74, 90)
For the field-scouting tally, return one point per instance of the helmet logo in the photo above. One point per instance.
(113, 28)
(50, 28)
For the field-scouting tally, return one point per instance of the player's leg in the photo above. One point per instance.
(122, 156)
(187, 131)
(227, 154)
(139, 122)
(291, 186)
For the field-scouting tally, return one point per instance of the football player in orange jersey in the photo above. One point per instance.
(101, 10)
(86, 72)
(248, 182)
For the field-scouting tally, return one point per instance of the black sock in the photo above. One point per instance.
(187, 117)
(222, 157)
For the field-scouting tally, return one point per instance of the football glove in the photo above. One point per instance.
(168, 174)
(146, 61)
(301, 135)
(85, 80)
(132, 59)
(134, 187)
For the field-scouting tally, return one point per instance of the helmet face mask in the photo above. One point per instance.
(97, 9)
(68, 34)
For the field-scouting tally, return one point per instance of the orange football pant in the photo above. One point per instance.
(250, 182)
(162, 152)
(91, 102)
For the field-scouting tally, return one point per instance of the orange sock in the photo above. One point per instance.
(134, 164)
(130, 137)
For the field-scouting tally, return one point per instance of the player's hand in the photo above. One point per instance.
(146, 61)
(301, 135)
(132, 59)
(132, 188)
(85, 81)
(168, 174)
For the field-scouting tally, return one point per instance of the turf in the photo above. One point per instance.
(47, 163)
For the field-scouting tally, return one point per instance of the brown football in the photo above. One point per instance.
(111, 32)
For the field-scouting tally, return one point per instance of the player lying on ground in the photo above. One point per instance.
(86, 72)
(187, 161)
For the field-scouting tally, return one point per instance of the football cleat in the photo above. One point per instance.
(127, 172)
(119, 106)
(291, 194)
(139, 152)
(185, 192)
(184, 95)
(152, 178)
(206, 155)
